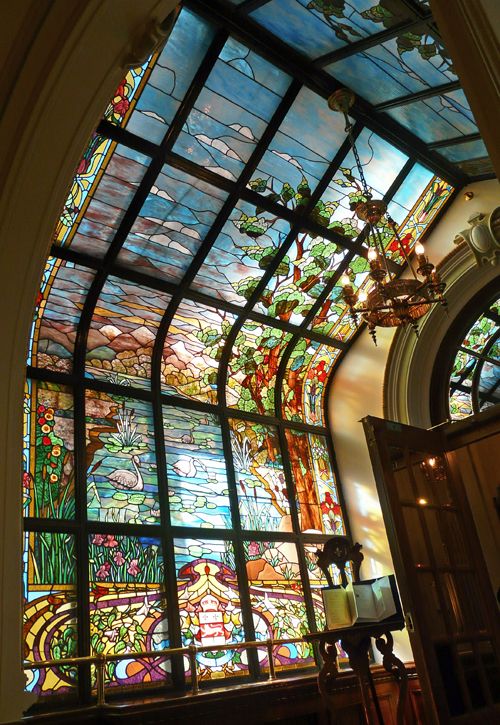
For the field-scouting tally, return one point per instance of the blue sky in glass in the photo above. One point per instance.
(308, 31)
(110, 200)
(381, 164)
(221, 131)
(304, 145)
(464, 151)
(381, 73)
(122, 332)
(437, 118)
(174, 220)
(196, 469)
(488, 382)
(227, 263)
(171, 77)
(412, 187)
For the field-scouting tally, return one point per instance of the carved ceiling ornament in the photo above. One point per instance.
(483, 237)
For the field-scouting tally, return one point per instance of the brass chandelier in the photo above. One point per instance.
(391, 302)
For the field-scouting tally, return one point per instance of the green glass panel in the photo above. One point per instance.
(128, 607)
(260, 478)
(48, 451)
(122, 483)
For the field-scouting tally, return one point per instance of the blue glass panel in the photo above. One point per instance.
(109, 201)
(171, 77)
(408, 193)
(221, 131)
(316, 28)
(437, 118)
(381, 164)
(395, 68)
(174, 220)
(464, 151)
(242, 251)
(196, 469)
(302, 148)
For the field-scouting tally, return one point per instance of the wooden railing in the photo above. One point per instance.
(100, 660)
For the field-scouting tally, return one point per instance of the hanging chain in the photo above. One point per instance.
(348, 130)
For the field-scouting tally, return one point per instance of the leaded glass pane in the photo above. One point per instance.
(123, 331)
(171, 77)
(260, 478)
(277, 599)
(209, 604)
(253, 367)
(306, 375)
(232, 111)
(193, 348)
(243, 250)
(314, 480)
(48, 457)
(127, 607)
(49, 624)
(59, 305)
(196, 469)
(122, 483)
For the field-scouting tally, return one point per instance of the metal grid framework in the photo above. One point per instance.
(230, 21)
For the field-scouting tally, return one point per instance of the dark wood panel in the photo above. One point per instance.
(293, 701)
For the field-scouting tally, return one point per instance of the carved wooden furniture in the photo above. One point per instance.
(356, 642)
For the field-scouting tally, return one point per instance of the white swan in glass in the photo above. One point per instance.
(126, 480)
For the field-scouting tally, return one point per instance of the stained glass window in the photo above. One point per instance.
(475, 376)
(178, 469)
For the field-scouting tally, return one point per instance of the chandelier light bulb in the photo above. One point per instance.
(372, 254)
(419, 248)
(362, 297)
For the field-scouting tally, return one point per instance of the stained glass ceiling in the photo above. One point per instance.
(210, 219)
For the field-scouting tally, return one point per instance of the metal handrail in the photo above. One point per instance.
(100, 660)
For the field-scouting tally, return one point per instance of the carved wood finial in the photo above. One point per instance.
(339, 550)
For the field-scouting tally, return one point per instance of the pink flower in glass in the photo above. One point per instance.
(133, 569)
(119, 558)
(104, 570)
(98, 539)
(110, 541)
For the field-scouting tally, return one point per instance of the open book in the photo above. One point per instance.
(368, 601)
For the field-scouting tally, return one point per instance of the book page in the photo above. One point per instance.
(385, 604)
(366, 604)
(337, 610)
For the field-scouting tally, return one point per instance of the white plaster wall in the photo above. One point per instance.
(358, 391)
